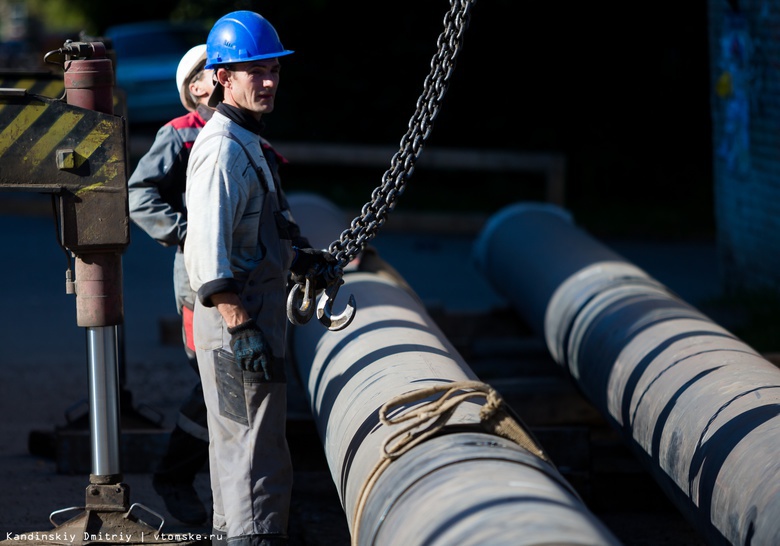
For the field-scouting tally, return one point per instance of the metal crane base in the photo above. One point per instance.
(107, 518)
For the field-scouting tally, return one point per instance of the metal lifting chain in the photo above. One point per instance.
(383, 199)
(374, 213)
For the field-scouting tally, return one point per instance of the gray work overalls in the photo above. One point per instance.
(250, 465)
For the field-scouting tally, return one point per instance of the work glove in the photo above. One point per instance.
(250, 348)
(319, 264)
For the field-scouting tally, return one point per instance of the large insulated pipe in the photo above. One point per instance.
(698, 406)
(464, 483)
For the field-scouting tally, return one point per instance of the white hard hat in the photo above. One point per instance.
(191, 63)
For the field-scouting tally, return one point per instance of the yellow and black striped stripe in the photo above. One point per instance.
(49, 146)
(35, 130)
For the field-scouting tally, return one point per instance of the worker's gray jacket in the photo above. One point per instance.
(223, 247)
(156, 192)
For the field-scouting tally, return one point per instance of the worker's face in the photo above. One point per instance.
(251, 85)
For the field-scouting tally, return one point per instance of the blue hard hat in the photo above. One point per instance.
(242, 36)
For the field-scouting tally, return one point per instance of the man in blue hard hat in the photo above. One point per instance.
(242, 241)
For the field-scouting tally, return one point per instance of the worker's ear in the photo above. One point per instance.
(202, 87)
(223, 74)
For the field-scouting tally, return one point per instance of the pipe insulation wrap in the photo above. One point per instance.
(388, 350)
(462, 486)
(698, 406)
(496, 493)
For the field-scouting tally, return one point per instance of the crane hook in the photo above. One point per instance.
(299, 303)
(325, 308)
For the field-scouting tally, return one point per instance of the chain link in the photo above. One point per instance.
(374, 213)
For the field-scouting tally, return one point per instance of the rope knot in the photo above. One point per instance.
(429, 417)
(492, 405)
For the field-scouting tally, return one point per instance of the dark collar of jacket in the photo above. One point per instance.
(241, 117)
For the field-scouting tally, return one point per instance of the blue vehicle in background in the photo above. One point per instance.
(147, 55)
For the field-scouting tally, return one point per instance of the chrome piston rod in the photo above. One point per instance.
(698, 406)
(103, 400)
(461, 487)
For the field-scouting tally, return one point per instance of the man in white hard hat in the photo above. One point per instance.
(156, 202)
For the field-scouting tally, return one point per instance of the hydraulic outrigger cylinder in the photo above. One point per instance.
(448, 479)
(77, 151)
(699, 407)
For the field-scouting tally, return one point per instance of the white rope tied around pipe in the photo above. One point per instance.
(430, 417)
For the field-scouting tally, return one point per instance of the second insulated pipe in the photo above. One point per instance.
(415, 453)
(699, 407)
